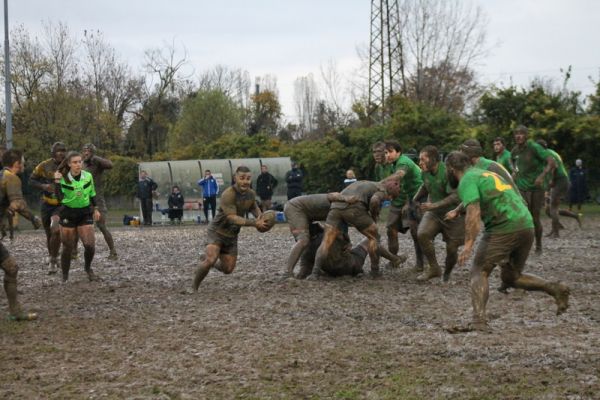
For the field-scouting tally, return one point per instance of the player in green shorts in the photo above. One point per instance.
(507, 238)
(532, 163)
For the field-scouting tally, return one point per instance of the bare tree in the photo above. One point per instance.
(115, 87)
(30, 66)
(441, 40)
(234, 83)
(165, 75)
(62, 49)
(306, 97)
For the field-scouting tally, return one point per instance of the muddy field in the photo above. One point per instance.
(141, 334)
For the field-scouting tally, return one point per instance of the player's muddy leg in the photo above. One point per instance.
(86, 233)
(107, 237)
(206, 263)
(413, 227)
(426, 232)
(451, 259)
(373, 246)
(297, 250)
(329, 237)
(68, 238)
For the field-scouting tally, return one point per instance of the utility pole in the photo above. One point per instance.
(386, 69)
(9, 137)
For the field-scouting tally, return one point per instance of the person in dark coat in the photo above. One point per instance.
(265, 185)
(294, 178)
(145, 191)
(578, 190)
(175, 202)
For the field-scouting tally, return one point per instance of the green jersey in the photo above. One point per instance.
(77, 193)
(502, 208)
(529, 161)
(438, 187)
(411, 182)
(504, 159)
(382, 171)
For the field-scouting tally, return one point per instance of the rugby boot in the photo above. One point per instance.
(434, 271)
(397, 261)
(91, 276)
(560, 292)
(53, 266)
(113, 255)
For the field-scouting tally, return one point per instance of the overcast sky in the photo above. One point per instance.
(291, 38)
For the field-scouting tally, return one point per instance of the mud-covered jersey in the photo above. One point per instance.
(315, 206)
(560, 172)
(43, 174)
(502, 208)
(504, 159)
(364, 190)
(382, 171)
(495, 167)
(529, 161)
(438, 188)
(78, 193)
(10, 188)
(96, 166)
(232, 203)
(411, 182)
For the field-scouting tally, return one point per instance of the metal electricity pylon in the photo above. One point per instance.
(385, 57)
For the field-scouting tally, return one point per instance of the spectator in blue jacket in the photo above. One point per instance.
(210, 189)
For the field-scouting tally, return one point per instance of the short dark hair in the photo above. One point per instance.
(458, 160)
(499, 139)
(432, 152)
(242, 168)
(207, 170)
(10, 157)
(393, 145)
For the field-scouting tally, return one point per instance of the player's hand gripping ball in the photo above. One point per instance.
(270, 217)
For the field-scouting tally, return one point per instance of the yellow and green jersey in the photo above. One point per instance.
(502, 208)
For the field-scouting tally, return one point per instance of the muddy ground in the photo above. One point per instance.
(141, 334)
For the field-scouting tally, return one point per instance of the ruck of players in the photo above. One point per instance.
(486, 213)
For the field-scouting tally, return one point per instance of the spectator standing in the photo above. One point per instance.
(350, 178)
(175, 202)
(578, 190)
(146, 188)
(294, 178)
(210, 190)
(265, 185)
